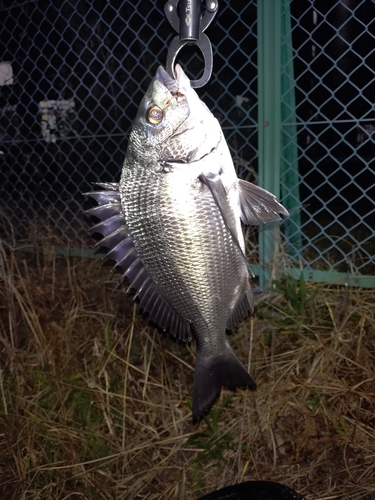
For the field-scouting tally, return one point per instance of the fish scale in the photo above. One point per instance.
(173, 224)
(180, 257)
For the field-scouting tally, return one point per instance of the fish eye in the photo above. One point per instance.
(154, 115)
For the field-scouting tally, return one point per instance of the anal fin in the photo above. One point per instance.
(241, 310)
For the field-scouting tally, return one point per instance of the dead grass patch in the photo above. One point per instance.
(94, 403)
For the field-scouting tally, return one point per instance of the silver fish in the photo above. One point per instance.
(173, 224)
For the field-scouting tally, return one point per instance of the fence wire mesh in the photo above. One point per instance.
(334, 60)
(73, 72)
(79, 72)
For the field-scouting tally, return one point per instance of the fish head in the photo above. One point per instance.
(172, 122)
(162, 110)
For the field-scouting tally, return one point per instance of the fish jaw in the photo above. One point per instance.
(179, 85)
(198, 133)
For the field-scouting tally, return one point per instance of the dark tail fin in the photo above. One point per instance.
(211, 374)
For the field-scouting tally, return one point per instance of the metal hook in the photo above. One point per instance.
(190, 27)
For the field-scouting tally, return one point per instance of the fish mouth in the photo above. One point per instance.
(174, 85)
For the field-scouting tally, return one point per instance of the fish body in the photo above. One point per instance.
(174, 225)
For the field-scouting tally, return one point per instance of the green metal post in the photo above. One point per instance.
(269, 121)
(289, 175)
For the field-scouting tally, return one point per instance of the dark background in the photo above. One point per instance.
(103, 55)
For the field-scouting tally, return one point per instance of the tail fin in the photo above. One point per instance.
(211, 374)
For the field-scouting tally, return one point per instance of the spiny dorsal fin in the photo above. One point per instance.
(116, 238)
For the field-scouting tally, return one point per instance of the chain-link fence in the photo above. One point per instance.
(329, 135)
(79, 72)
(73, 72)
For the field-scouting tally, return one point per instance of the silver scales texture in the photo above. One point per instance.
(179, 234)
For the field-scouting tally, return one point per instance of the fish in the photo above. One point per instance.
(173, 225)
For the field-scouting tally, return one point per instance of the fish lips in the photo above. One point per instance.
(178, 85)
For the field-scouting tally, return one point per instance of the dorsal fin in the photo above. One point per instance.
(116, 238)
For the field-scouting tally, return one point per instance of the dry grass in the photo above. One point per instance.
(94, 403)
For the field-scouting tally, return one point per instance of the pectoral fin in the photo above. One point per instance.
(219, 193)
(258, 205)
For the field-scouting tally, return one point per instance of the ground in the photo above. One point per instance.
(95, 402)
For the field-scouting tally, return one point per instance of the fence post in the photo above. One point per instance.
(269, 122)
(289, 174)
